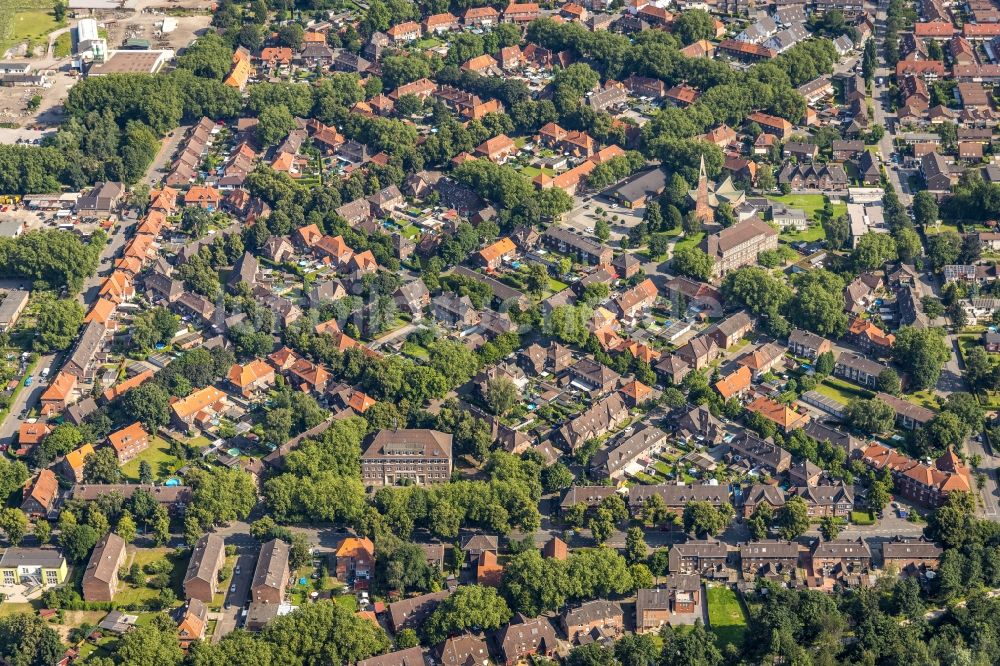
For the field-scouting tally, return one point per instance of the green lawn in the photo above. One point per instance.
(140, 595)
(692, 240)
(531, 171)
(841, 391)
(158, 456)
(812, 204)
(862, 518)
(347, 601)
(924, 399)
(726, 616)
(813, 233)
(22, 20)
(63, 46)
(415, 350)
(555, 286)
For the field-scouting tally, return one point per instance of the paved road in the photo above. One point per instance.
(26, 399)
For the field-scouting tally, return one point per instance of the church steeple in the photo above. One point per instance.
(702, 209)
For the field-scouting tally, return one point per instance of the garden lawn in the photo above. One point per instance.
(25, 20)
(841, 391)
(347, 601)
(726, 616)
(924, 398)
(862, 518)
(63, 46)
(142, 594)
(555, 285)
(692, 240)
(158, 456)
(813, 233)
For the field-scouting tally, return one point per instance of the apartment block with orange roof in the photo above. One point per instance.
(59, 393)
(355, 559)
(251, 378)
(72, 465)
(781, 415)
(129, 442)
(494, 255)
(404, 32)
(40, 494)
(113, 392)
(198, 408)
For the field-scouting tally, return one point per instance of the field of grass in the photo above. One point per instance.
(531, 171)
(691, 240)
(812, 204)
(158, 456)
(22, 20)
(813, 233)
(841, 391)
(415, 350)
(10, 608)
(862, 518)
(131, 594)
(555, 286)
(726, 615)
(924, 399)
(63, 46)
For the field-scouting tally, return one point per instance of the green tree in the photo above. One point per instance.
(602, 525)
(469, 606)
(921, 353)
(501, 395)
(150, 645)
(870, 415)
(830, 527)
(793, 518)
(57, 323)
(693, 262)
(878, 497)
(874, 250)
(760, 520)
(703, 519)
(102, 467)
(126, 527)
(654, 510)
(14, 524)
(693, 25)
(635, 545)
(943, 248)
(27, 640)
(43, 531)
(149, 404)
(274, 124)
(888, 381)
(825, 363)
(602, 230)
(925, 208)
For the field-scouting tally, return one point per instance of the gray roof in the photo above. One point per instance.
(103, 563)
(204, 558)
(50, 558)
(272, 565)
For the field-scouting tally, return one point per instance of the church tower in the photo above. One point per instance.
(702, 210)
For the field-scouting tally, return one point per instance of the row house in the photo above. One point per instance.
(676, 497)
(928, 485)
(847, 561)
(599, 419)
(678, 602)
(630, 455)
(858, 369)
(769, 558)
(836, 500)
(807, 344)
(598, 618)
(521, 13)
(908, 414)
(760, 453)
(703, 557)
